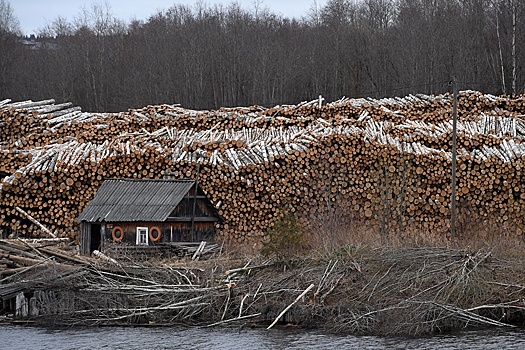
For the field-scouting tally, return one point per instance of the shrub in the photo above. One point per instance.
(285, 238)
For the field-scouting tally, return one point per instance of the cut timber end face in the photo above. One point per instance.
(383, 160)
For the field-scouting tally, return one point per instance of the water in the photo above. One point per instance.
(19, 338)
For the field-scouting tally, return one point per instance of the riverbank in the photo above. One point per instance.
(401, 289)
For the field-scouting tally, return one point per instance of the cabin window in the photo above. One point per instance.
(142, 236)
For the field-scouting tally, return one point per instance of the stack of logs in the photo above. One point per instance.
(17, 257)
(382, 161)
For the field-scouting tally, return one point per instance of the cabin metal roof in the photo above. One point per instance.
(135, 200)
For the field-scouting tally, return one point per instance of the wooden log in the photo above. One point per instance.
(42, 227)
(341, 148)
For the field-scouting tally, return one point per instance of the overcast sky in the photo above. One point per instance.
(34, 14)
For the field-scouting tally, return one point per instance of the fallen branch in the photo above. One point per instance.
(242, 269)
(234, 319)
(498, 306)
(292, 304)
(242, 303)
(199, 250)
(327, 272)
(465, 313)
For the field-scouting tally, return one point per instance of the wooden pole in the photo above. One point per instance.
(454, 156)
(195, 203)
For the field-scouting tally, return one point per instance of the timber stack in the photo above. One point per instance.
(385, 162)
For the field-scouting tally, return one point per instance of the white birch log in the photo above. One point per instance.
(35, 221)
(104, 257)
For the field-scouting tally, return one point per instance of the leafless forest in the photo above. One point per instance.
(210, 56)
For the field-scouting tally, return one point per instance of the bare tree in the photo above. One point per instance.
(9, 29)
(211, 56)
(514, 12)
(8, 22)
(508, 30)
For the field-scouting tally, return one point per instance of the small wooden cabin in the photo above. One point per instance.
(147, 212)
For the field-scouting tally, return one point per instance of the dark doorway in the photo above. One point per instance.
(95, 237)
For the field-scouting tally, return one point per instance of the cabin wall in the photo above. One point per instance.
(91, 237)
(185, 209)
(171, 231)
(85, 238)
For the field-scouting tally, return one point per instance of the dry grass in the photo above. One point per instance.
(330, 230)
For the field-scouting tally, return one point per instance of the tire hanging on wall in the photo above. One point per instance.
(155, 237)
(117, 234)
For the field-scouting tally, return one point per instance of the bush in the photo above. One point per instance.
(285, 238)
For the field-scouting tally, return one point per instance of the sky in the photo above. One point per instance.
(35, 14)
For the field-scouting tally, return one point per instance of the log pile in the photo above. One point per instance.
(384, 161)
(21, 256)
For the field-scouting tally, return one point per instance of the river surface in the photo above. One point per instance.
(23, 337)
